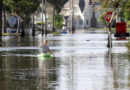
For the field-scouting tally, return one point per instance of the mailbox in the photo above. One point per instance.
(120, 27)
(121, 30)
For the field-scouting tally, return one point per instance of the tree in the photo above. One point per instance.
(21, 8)
(101, 19)
(57, 6)
(113, 5)
(4, 21)
(1, 5)
(59, 19)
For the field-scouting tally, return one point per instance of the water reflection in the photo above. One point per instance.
(79, 64)
(22, 74)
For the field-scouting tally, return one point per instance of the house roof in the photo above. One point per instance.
(83, 4)
(66, 17)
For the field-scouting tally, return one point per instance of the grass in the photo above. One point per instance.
(128, 29)
(55, 33)
(128, 45)
(7, 34)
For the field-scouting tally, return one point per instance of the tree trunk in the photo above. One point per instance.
(53, 19)
(22, 26)
(55, 24)
(109, 45)
(33, 28)
(4, 21)
(19, 25)
(1, 17)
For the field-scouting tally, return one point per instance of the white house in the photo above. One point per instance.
(85, 17)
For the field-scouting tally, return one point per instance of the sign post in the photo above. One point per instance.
(18, 19)
(107, 17)
(11, 21)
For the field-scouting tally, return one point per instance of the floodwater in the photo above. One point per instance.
(82, 62)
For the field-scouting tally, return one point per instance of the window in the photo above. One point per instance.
(76, 10)
(87, 22)
(90, 11)
(65, 12)
(80, 22)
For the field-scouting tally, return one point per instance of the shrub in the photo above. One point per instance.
(40, 23)
(128, 45)
(55, 33)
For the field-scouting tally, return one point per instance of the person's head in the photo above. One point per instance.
(45, 42)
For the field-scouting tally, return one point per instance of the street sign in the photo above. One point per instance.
(18, 18)
(107, 16)
(12, 21)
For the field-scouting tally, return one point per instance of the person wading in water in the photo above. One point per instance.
(45, 47)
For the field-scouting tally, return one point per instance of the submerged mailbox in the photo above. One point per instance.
(121, 30)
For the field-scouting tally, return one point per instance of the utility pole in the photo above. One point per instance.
(45, 17)
(1, 7)
(69, 14)
(33, 29)
(42, 19)
(73, 21)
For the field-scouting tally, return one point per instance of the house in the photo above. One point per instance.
(84, 14)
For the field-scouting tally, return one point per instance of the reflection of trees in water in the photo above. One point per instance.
(120, 39)
(47, 73)
(117, 64)
(109, 67)
(2, 66)
(120, 66)
(20, 73)
(25, 74)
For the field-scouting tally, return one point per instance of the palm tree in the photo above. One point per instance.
(1, 5)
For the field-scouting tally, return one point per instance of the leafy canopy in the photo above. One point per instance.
(22, 8)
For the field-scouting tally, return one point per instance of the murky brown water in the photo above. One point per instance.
(82, 62)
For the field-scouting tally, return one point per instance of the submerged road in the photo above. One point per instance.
(82, 62)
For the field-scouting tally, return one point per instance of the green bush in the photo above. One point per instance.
(40, 23)
(59, 21)
(55, 33)
(128, 45)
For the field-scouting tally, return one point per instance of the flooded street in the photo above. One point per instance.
(82, 62)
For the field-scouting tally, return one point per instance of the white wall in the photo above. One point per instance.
(88, 15)
(78, 16)
(99, 24)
